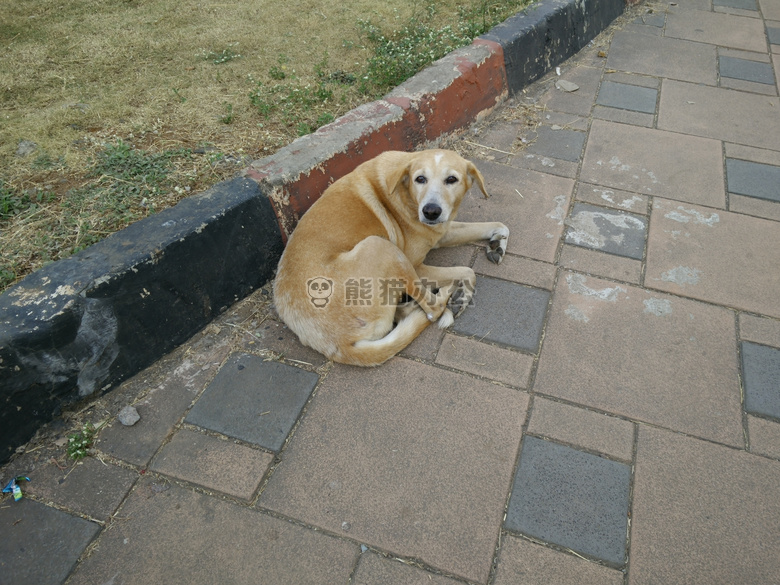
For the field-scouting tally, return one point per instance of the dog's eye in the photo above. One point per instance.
(451, 179)
(420, 179)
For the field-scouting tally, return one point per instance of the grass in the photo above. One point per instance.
(133, 105)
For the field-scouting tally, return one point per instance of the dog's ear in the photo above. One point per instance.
(475, 175)
(396, 175)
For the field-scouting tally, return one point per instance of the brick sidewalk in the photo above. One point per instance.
(608, 411)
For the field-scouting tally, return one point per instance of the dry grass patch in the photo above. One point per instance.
(115, 109)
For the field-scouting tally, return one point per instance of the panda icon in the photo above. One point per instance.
(320, 289)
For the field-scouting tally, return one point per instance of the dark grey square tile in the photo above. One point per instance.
(608, 230)
(761, 372)
(505, 313)
(40, 544)
(572, 499)
(627, 97)
(753, 179)
(560, 144)
(254, 400)
(773, 34)
(657, 20)
(746, 70)
(742, 4)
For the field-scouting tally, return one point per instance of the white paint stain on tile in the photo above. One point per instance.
(576, 314)
(559, 213)
(658, 307)
(577, 286)
(608, 196)
(683, 215)
(681, 275)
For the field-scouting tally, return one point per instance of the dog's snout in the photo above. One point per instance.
(431, 211)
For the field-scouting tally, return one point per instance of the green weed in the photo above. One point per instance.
(80, 442)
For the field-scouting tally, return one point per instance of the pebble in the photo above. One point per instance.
(128, 416)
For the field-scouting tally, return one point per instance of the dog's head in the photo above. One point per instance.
(436, 181)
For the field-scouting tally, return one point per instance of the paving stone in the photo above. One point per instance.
(770, 9)
(534, 216)
(623, 116)
(409, 458)
(715, 256)
(571, 498)
(505, 313)
(761, 372)
(219, 465)
(90, 487)
(702, 513)
(518, 269)
(40, 545)
(759, 330)
(614, 198)
(614, 232)
(375, 570)
(759, 155)
(657, 20)
(652, 162)
(754, 179)
(748, 86)
(584, 428)
(521, 561)
(741, 4)
(747, 70)
(627, 97)
(426, 345)
(773, 34)
(662, 57)
(561, 144)
(698, 110)
(601, 264)
(544, 164)
(177, 536)
(724, 30)
(275, 337)
(632, 79)
(488, 361)
(753, 206)
(254, 400)
(578, 102)
(642, 355)
(764, 437)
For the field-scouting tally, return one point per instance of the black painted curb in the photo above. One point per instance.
(80, 326)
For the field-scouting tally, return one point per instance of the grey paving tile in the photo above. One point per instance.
(90, 487)
(172, 535)
(754, 179)
(662, 57)
(764, 436)
(505, 313)
(375, 570)
(651, 162)
(698, 110)
(773, 34)
(571, 498)
(521, 561)
(702, 513)
(715, 256)
(627, 351)
(254, 400)
(611, 231)
(561, 144)
(600, 264)
(761, 372)
(742, 4)
(518, 269)
(770, 9)
(216, 464)
(656, 19)
(531, 204)
(746, 70)
(627, 97)
(614, 198)
(584, 428)
(623, 116)
(40, 545)
(409, 458)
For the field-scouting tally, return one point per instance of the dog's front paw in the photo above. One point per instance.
(461, 297)
(497, 245)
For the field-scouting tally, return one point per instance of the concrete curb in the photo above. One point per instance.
(80, 326)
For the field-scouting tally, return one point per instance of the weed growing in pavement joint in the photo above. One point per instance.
(80, 442)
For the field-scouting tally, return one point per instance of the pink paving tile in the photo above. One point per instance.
(642, 355)
(409, 458)
(716, 256)
(702, 513)
(764, 436)
(651, 162)
(495, 363)
(724, 30)
(375, 570)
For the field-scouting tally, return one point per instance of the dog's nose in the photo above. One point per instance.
(431, 211)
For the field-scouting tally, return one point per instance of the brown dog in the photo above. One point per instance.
(353, 267)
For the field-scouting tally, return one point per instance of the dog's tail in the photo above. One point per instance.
(375, 352)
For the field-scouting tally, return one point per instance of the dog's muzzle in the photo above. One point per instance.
(431, 213)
